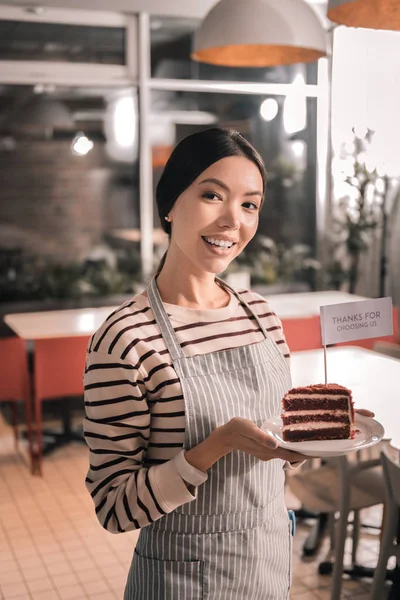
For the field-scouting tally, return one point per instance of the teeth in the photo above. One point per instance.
(219, 243)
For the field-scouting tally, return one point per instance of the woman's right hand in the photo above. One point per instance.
(245, 435)
(238, 434)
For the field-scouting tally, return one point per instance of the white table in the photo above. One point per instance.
(307, 304)
(58, 323)
(373, 378)
(85, 321)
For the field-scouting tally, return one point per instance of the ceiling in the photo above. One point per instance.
(181, 8)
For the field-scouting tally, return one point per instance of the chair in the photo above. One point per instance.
(58, 374)
(15, 384)
(343, 485)
(302, 334)
(391, 469)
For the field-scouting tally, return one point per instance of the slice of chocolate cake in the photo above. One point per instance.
(318, 412)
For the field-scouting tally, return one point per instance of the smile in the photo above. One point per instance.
(219, 246)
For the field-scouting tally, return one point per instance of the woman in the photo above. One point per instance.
(178, 382)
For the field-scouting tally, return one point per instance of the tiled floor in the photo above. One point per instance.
(52, 547)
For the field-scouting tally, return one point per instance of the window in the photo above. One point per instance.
(69, 177)
(52, 42)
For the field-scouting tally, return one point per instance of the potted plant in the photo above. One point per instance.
(358, 212)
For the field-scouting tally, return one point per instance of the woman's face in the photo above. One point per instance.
(215, 218)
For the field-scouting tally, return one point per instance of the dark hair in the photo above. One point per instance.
(190, 158)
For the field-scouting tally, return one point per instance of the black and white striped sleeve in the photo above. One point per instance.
(127, 494)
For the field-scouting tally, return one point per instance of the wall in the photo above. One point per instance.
(366, 94)
(59, 205)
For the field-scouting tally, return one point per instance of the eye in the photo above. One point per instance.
(251, 205)
(211, 196)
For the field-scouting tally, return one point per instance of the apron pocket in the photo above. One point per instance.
(155, 579)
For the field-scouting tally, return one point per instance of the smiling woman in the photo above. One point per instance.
(217, 211)
(178, 382)
(214, 219)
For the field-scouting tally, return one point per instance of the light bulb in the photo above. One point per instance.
(269, 109)
(81, 144)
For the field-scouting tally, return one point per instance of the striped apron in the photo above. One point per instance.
(233, 542)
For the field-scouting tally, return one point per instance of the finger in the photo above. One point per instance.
(364, 412)
(264, 453)
(258, 450)
(253, 432)
(260, 437)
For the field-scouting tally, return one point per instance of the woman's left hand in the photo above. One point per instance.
(364, 412)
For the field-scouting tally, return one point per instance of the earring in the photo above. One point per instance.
(167, 219)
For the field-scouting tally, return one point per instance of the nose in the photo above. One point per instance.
(230, 219)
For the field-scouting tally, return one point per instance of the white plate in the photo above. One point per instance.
(370, 432)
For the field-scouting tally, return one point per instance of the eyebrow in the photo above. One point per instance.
(225, 187)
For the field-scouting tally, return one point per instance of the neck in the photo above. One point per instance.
(189, 287)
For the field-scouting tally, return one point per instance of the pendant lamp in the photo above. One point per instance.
(39, 115)
(371, 14)
(259, 33)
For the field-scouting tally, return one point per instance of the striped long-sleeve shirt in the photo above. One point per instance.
(135, 412)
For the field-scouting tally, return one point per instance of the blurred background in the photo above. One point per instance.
(94, 95)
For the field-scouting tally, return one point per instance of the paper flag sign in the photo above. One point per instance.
(356, 320)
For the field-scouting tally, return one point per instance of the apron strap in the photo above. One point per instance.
(223, 284)
(160, 314)
(168, 332)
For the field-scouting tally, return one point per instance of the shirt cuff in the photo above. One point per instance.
(169, 487)
(188, 472)
(168, 482)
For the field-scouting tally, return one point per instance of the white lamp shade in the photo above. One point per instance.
(259, 33)
(39, 113)
(371, 14)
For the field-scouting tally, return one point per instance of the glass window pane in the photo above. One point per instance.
(171, 43)
(59, 42)
(69, 191)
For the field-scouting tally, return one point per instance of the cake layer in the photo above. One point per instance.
(308, 403)
(307, 413)
(321, 388)
(302, 435)
(315, 425)
(318, 396)
(306, 416)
